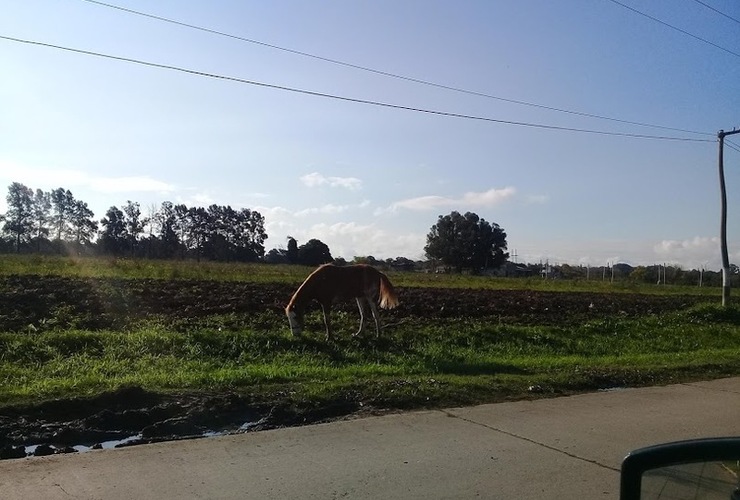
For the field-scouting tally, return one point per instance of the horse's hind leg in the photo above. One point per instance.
(326, 309)
(376, 316)
(361, 305)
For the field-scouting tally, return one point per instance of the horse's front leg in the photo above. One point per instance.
(361, 306)
(326, 309)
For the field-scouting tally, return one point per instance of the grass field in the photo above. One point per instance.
(267, 273)
(417, 362)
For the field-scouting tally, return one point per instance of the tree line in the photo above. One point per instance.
(38, 221)
(56, 222)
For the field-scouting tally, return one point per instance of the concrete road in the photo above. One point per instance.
(563, 448)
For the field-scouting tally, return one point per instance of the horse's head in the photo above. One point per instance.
(295, 317)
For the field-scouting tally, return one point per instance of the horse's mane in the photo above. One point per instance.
(306, 285)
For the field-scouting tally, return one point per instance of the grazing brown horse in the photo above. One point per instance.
(365, 284)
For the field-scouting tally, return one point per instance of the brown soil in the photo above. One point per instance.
(28, 302)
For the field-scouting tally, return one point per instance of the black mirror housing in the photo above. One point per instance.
(640, 461)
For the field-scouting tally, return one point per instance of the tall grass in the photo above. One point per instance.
(454, 361)
(441, 361)
(107, 267)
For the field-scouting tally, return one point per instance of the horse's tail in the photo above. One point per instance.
(387, 294)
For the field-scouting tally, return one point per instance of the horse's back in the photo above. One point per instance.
(345, 282)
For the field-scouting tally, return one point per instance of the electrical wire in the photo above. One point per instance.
(351, 99)
(388, 74)
(717, 11)
(676, 28)
(732, 145)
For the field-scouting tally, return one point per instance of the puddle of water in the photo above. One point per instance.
(248, 425)
(107, 445)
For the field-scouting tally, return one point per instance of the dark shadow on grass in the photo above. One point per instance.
(330, 349)
(384, 343)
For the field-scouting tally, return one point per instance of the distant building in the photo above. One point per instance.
(510, 270)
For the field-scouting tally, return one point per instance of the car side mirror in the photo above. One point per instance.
(698, 468)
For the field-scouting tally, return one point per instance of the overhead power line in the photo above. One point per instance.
(736, 54)
(732, 145)
(352, 99)
(389, 74)
(717, 11)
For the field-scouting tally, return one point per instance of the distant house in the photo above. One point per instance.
(510, 270)
(550, 272)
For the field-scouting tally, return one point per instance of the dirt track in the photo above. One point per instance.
(30, 302)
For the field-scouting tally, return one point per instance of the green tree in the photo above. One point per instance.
(466, 242)
(181, 227)
(219, 233)
(134, 225)
(41, 216)
(19, 218)
(639, 274)
(313, 253)
(165, 222)
(402, 263)
(113, 236)
(365, 259)
(62, 204)
(292, 253)
(276, 256)
(224, 234)
(82, 225)
(250, 235)
(282, 255)
(196, 224)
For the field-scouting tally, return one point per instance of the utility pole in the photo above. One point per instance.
(723, 223)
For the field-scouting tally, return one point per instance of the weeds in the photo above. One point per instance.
(460, 355)
(73, 351)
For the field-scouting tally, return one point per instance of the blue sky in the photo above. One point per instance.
(372, 180)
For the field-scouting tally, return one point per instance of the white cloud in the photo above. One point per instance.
(326, 209)
(350, 239)
(691, 253)
(345, 239)
(281, 213)
(275, 215)
(128, 185)
(260, 196)
(696, 243)
(203, 199)
(488, 198)
(423, 203)
(52, 178)
(278, 221)
(700, 251)
(538, 199)
(315, 179)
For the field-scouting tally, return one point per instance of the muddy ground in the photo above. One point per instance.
(34, 302)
